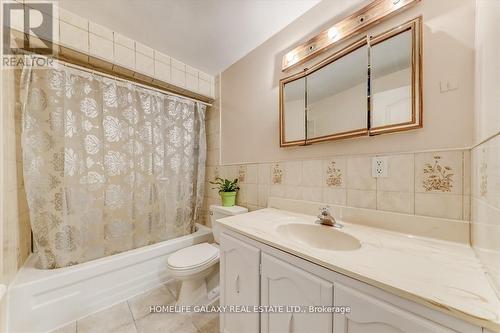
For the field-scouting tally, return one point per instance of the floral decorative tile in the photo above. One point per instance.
(334, 176)
(277, 174)
(439, 172)
(437, 176)
(242, 172)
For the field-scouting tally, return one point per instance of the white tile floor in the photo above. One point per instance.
(132, 316)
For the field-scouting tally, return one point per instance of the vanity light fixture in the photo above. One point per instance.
(362, 19)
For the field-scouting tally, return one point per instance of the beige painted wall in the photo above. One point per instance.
(249, 88)
(485, 208)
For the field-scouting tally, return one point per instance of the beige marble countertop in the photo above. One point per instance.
(442, 275)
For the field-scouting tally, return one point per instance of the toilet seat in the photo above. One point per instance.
(193, 258)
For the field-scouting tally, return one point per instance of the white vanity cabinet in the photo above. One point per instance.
(285, 285)
(240, 284)
(372, 315)
(253, 273)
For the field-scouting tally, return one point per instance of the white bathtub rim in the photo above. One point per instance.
(29, 274)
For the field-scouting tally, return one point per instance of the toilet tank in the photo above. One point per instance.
(219, 212)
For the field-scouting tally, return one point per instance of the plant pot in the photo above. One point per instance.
(228, 198)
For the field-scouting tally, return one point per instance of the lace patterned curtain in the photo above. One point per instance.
(108, 166)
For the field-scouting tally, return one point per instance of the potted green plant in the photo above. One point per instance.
(227, 190)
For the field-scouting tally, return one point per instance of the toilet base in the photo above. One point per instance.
(192, 291)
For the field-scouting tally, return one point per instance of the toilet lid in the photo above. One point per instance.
(193, 256)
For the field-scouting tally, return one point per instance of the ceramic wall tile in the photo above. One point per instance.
(293, 173)
(101, 47)
(277, 190)
(293, 192)
(144, 64)
(264, 173)
(252, 194)
(178, 77)
(74, 37)
(145, 50)
(312, 173)
(263, 193)
(101, 31)
(336, 196)
(124, 41)
(439, 172)
(400, 174)
(401, 202)
(493, 172)
(242, 174)
(277, 174)
(335, 173)
(439, 205)
(359, 174)
(362, 198)
(162, 72)
(252, 175)
(204, 87)
(124, 56)
(310, 193)
(191, 82)
(73, 19)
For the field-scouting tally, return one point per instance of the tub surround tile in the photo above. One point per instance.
(101, 47)
(100, 31)
(144, 64)
(74, 37)
(124, 41)
(124, 56)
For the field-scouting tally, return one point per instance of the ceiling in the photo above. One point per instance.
(209, 35)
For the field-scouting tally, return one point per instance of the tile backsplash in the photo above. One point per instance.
(430, 184)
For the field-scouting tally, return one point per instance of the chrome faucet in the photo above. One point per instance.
(325, 218)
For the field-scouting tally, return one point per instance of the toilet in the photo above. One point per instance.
(193, 264)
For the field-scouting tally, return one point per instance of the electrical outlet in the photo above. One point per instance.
(379, 167)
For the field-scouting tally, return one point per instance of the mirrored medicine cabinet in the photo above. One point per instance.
(372, 86)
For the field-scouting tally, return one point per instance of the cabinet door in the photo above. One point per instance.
(286, 285)
(240, 284)
(371, 315)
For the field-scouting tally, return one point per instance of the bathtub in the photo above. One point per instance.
(43, 300)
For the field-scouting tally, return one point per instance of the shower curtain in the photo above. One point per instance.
(108, 165)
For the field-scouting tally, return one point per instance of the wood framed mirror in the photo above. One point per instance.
(370, 87)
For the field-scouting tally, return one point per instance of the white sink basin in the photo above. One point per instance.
(319, 237)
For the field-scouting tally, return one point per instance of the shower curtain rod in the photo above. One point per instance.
(93, 71)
